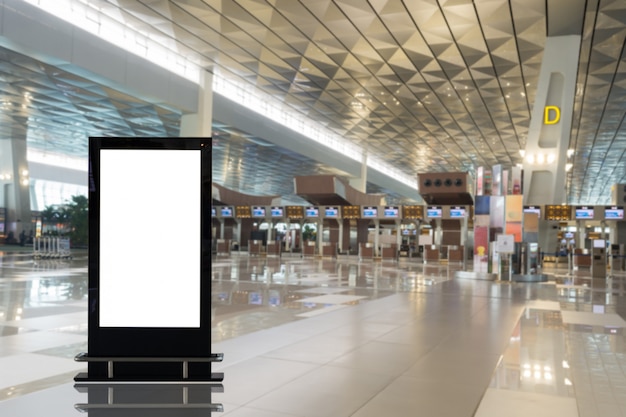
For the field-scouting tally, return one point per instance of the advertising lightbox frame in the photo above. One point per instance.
(128, 337)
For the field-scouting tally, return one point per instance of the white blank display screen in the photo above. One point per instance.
(150, 238)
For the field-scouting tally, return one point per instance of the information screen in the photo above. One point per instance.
(457, 212)
(583, 213)
(139, 287)
(533, 209)
(226, 211)
(213, 212)
(258, 211)
(434, 212)
(277, 212)
(331, 212)
(311, 212)
(614, 213)
(369, 212)
(391, 212)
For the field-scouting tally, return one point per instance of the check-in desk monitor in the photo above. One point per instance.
(614, 213)
(457, 212)
(369, 212)
(258, 212)
(312, 212)
(533, 209)
(227, 212)
(277, 212)
(391, 212)
(434, 212)
(331, 212)
(583, 213)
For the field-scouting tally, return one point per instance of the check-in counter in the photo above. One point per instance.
(366, 251)
(581, 259)
(255, 247)
(329, 249)
(390, 252)
(308, 249)
(455, 253)
(431, 253)
(223, 247)
(273, 249)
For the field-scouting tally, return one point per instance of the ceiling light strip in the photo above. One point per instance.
(87, 16)
(270, 107)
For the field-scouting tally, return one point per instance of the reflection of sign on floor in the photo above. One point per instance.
(505, 243)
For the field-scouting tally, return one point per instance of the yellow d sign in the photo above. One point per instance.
(556, 112)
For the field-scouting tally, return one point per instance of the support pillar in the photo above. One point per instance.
(200, 124)
(360, 184)
(15, 185)
(551, 123)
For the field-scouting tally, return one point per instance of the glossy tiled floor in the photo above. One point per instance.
(347, 338)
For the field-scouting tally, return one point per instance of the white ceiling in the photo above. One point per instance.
(427, 85)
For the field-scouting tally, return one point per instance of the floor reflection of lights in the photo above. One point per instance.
(252, 293)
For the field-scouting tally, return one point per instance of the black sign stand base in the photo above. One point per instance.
(164, 400)
(110, 369)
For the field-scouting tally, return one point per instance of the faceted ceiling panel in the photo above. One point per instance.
(428, 85)
(57, 111)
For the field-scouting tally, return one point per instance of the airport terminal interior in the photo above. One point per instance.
(417, 206)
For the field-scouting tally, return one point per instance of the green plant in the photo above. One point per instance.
(77, 212)
(308, 233)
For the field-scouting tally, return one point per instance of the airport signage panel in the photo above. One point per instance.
(312, 212)
(533, 209)
(457, 212)
(369, 212)
(391, 212)
(583, 212)
(434, 212)
(277, 212)
(614, 213)
(331, 212)
(258, 212)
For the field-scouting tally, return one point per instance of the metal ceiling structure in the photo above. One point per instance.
(427, 85)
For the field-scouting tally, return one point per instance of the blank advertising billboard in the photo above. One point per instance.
(149, 252)
(140, 284)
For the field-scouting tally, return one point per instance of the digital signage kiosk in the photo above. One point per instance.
(149, 303)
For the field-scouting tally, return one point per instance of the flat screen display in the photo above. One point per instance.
(226, 211)
(331, 212)
(434, 212)
(583, 213)
(311, 212)
(533, 209)
(391, 212)
(258, 211)
(277, 212)
(369, 212)
(213, 212)
(457, 212)
(136, 293)
(614, 213)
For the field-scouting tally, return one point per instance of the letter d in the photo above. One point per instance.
(546, 115)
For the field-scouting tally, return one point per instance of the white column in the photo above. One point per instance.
(200, 124)
(360, 184)
(15, 185)
(551, 122)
